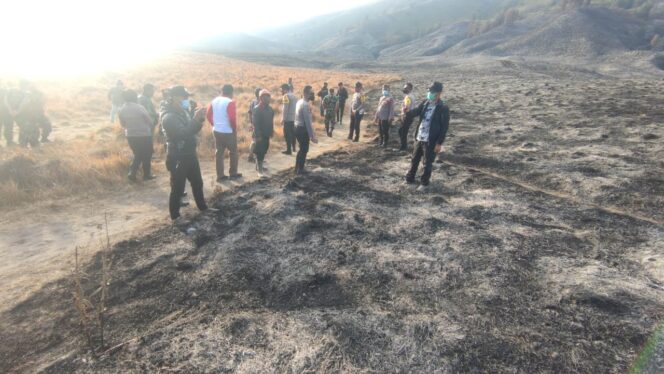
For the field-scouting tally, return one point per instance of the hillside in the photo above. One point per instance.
(435, 30)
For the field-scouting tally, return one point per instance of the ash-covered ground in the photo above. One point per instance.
(538, 248)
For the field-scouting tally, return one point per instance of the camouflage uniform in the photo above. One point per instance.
(330, 111)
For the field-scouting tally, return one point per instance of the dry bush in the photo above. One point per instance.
(90, 156)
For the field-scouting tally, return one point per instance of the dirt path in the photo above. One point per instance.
(37, 243)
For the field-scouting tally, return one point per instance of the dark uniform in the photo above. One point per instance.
(343, 96)
(263, 120)
(20, 104)
(181, 157)
(321, 94)
(330, 108)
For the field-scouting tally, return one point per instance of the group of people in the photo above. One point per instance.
(24, 107)
(180, 123)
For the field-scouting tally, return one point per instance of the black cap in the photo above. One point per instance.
(407, 85)
(179, 91)
(436, 87)
(358, 85)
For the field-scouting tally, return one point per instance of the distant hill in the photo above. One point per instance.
(238, 43)
(403, 30)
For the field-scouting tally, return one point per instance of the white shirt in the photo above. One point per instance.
(222, 123)
(425, 126)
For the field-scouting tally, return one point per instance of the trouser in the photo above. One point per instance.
(7, 127)
(261, 146)
(330, 121)
(289, 135)
(141, 146)
(340, 112)
(403, 132)
(225, 141)
(114, 112)
(302, 136)
(185, 168)
(426, 151)
(384, 130)
(355, 120)
(28, 132)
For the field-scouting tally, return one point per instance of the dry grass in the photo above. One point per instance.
(90, 156)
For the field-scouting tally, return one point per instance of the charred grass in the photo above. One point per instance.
(346, 269)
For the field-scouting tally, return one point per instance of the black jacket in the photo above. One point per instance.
(263, 120)
(180, 132)
(440, 120)
(343, 94)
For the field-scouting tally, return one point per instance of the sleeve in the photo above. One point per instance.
(232, 114)
(255, 121)
(177, 132)
(417, 111)
(308, 121)
(209, 114)
(391, 115)
(444, 125)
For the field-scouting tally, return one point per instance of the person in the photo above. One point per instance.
(38, 109)
(321, 94)
(136, 121)
(145, 100)
(290, 84)
(430, 134)
(385, 115)
(342, 93)
(288, 103)
(222, 115)
(6, 120)
(356, 112)
(304, 131)
(331, 106)
(263, 121)
(407, 105)
(252, 105)
(115, 95)
(163, 105)
(181, 158)
(21, 110)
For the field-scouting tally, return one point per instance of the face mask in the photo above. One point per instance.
(185, 104)
(386, 93)
(431, 96)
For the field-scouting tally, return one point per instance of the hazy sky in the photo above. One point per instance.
(41, 37)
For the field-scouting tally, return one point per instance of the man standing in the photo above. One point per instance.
(6, 120)
(304, 130)
(252, 105)
(222, 115)
(385, 115)
(138, 128)
(288, 103)
(145, 100)
(115, 95)
(21, 108)
(263, 119)
(343, 96)
(38, 110)
(330, 106)
(356, 113)
(430, 135)
(406, 121)
(181, 158)
(321, 94)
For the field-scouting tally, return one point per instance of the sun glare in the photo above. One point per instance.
(74, 37)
